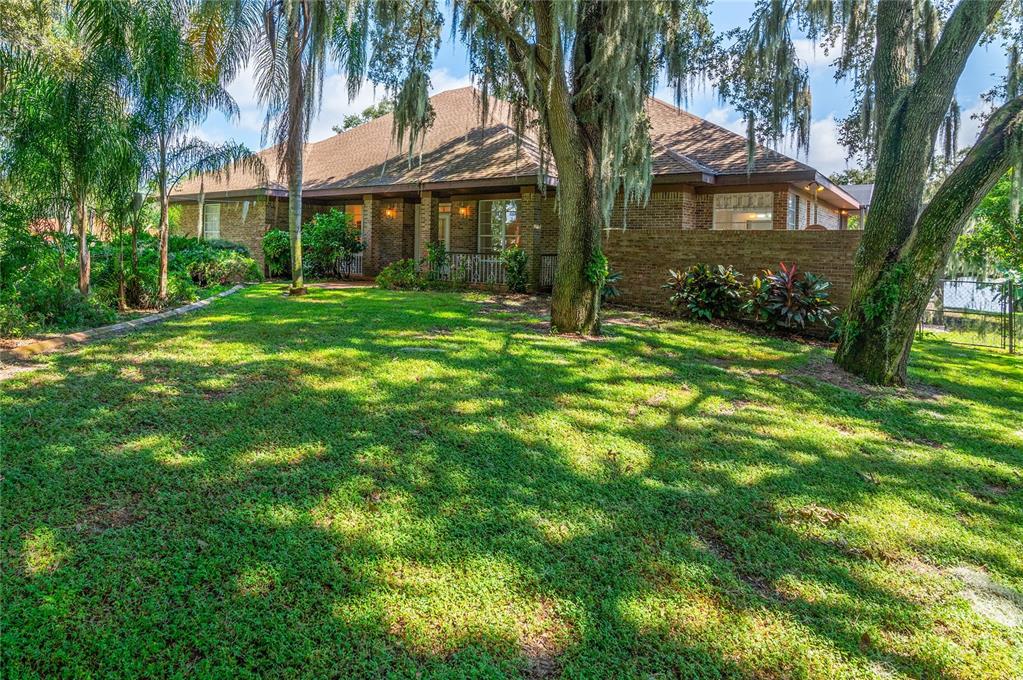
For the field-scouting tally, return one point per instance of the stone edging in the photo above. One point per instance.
(31, 349)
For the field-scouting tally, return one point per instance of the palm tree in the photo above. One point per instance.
(63, 126)
(294, 37)
(179, 79)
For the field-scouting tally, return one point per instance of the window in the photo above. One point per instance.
(499, 225)
(211, 221)
(793, 217)
(744, 211)
(354, 211)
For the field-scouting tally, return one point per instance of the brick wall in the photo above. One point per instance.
(645, 255)
(238, 223)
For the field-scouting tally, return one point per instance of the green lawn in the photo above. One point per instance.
(361, 483)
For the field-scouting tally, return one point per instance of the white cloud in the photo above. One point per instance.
(971, 121)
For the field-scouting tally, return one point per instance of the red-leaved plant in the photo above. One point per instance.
(787, 299)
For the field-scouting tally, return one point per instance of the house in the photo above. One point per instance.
(475, 187)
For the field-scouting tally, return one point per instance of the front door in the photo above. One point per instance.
(444, 226)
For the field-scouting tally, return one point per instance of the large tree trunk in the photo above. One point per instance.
(575, 302)
(295, 146)
(84, 261)
(873, 334)
(881, 354)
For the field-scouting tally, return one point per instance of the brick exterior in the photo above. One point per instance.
(672, 231)
(644, 257)
(237, 224)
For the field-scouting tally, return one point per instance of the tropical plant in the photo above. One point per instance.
(290, 41)
(610, 290)
(63, 123)
(331, 238)
(516, 272)
(179, 80)
(277, 252)
(787, 299)
(705, 292)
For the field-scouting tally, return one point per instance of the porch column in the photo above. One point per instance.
(369, 257)
(426, 230)
(529, 208)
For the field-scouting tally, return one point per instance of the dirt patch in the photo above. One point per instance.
(817, 514)
(543, 641)
(116, 513)
(825, 370)
(988, 598)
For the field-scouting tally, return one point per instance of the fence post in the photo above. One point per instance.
(1012, 317)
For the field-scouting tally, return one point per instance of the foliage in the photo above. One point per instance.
(436, 259)
(328, 241)
(597, 268)
(38, 275)
(277, 252)
(705, 292)
(854, 176)
(401, 275)
(787, 299)
(993, 241)
(631, 507)
(371, 112)
(609, 290)
(516, 268)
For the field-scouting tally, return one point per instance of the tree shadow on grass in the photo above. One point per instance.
(311, 489)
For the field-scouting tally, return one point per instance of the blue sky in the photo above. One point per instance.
(831, 99)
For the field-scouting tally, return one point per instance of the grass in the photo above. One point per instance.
(362, 483)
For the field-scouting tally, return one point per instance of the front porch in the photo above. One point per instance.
(472, 228)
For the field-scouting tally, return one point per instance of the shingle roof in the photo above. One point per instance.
(459, 148)
(861, 192)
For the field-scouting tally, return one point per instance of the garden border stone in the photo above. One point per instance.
(31, 349)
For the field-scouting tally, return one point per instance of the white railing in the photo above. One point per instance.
(548, 263)
(486, 268)
(351, 265)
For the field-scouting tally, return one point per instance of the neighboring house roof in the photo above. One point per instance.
(458, 148)
(861, 192)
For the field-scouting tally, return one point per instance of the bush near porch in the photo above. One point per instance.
(427, 484)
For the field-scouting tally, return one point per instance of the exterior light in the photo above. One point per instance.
(463, 210)
(390, 212)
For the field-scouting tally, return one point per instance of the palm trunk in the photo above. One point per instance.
(164, 223)
(84, 263)
(295, 146)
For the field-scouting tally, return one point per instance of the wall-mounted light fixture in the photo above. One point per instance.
(463, 210)
(390, 212)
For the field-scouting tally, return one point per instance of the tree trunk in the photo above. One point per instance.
(84, 262)
(873, 336)
(575, 301)
(878, 349)
(295, 146)
(164, 222)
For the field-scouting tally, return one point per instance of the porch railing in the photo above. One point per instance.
(473, 268)
(351, 265)
(548, 263)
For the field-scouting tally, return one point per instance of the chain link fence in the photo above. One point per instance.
(977, 313)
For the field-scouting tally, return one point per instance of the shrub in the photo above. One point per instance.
(787, 299)
(516, 273)
(277, 252)
(223, 268)
(329, 240)
(436, 259)
(705, 292)
(400, 275)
